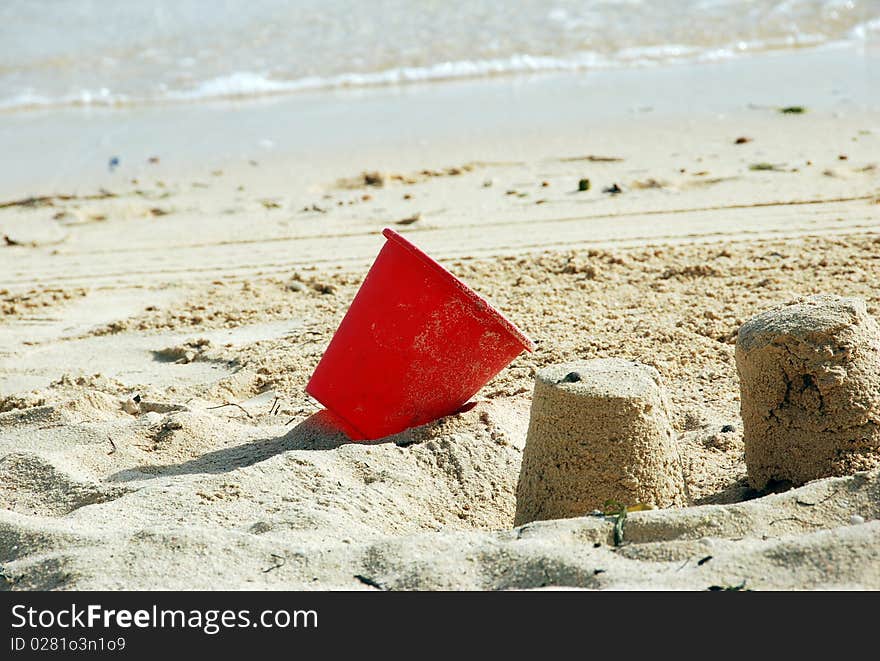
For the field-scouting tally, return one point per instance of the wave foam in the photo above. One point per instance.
(249, 84)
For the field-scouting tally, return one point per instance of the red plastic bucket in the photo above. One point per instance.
(415, 345)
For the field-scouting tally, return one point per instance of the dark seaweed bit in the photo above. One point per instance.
(613, 189)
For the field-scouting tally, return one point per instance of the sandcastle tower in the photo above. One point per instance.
(599, 431)
(809, 376)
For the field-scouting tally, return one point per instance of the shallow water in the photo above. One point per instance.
(101, 52)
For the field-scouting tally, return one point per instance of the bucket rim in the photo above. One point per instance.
(462, 288)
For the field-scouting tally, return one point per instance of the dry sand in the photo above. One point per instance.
(599, 439)
(130, 317)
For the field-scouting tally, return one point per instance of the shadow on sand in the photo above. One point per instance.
(320, 431)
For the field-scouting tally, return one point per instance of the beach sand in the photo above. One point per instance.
(159, 323)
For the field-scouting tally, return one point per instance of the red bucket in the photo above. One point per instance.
(415, 345)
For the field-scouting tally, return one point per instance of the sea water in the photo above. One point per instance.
(110, 53)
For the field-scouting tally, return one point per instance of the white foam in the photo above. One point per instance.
(247, 84)
(868, 29)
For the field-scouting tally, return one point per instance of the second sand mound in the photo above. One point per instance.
(810, 380)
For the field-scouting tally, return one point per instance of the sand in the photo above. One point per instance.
(810, 390)
(599, 439)
(157, 336)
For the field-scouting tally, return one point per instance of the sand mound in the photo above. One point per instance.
(30, 484)
(599, 434)
(88, 405)
(470, 461)
(810, 381)
(809, 538)
(186, 352)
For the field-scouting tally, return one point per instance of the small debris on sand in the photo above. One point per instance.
(742, 140)
(374, 179)
(49, 200)
(648, 183)
(316, 208)
(584, 184)
(765, 167)
(410, 219)
(323, 287)
(613, 189)
(592, 158)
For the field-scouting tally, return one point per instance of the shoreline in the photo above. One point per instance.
(68, 150)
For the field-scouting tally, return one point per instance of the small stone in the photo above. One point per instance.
(728, 429)
(856, 520)
(613, 189)
(584, 185)
(295, 285)
(571, 377)
(374, 179)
